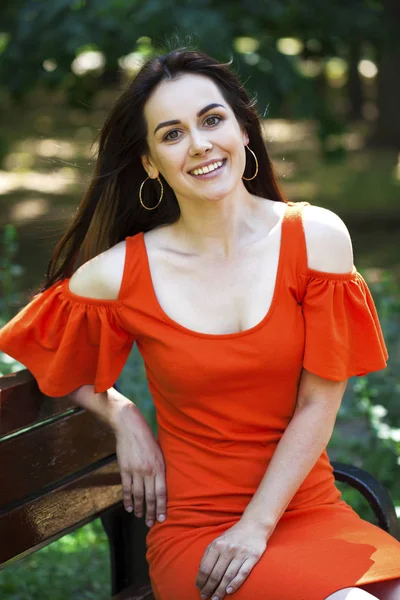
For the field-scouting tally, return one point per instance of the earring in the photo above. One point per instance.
(255, 158)
(161, 195)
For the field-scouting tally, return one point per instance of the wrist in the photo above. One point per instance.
(260, 521)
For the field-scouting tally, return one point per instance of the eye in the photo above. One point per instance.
(170, 136)
(213, 120)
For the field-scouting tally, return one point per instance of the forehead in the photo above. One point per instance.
(181, 98)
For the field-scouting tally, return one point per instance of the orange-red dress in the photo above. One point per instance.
(223, 402)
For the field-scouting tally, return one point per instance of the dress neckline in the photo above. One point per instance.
(233, 334)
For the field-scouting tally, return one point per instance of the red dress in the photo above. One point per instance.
(223, 402)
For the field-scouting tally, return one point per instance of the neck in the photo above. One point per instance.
(218, 228)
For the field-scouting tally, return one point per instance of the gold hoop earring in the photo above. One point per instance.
(161, 195)
(255, 158)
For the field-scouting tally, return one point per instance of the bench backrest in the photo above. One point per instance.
(58, 469)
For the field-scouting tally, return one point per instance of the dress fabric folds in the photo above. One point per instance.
(67, 341)
(223, 403)
(343, 336)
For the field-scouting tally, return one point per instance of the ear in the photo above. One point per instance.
(149, 167)
(245, 137)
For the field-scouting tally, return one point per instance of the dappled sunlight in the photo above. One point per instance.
(285, 168)
(51, 147)
(290, 46)
(397, 168)
(367, 68)
(25, 210)
(284, 131)
(60, 180)
(47, 148)
(300, 191)
(91, 60)
(310, 67)
(353, 140)
(19, 161)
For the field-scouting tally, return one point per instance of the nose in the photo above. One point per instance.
(199, 144)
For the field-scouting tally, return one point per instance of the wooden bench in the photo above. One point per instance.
(59, 472)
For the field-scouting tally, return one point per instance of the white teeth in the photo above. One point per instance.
(208, 168)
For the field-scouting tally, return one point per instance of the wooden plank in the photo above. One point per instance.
(38, 522)
(41, 457)
(22, 404)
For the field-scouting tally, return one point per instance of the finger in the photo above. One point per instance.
(242, 575)
(206, 565)
(150, 500)
(230, 574)
(161, 495)
(126, 480)
(216, 576)
(138, 495)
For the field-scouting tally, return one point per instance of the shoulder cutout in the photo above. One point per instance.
(328, 242)
(101, 277)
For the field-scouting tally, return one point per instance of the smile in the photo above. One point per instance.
(208, 169)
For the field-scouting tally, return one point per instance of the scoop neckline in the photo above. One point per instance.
(233, 334)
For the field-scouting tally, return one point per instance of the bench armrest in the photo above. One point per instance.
(377, 496)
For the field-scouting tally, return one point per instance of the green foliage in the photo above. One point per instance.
(9, 271)
(367, 432)
(75, 567)
(65, 27)
(9, 296)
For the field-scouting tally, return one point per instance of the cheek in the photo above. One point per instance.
(172, 161)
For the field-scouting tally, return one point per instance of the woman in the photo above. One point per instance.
(250, 317)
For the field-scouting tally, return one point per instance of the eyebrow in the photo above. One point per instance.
(199, 114)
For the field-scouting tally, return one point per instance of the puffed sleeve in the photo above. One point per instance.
(343, 336)
(67, 341)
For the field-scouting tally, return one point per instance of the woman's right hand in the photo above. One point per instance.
(141, 465)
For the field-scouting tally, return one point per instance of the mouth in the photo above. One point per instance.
(208, 171)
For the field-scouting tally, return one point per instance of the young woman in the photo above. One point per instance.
(250, 317)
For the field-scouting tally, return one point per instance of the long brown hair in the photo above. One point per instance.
(110, 210)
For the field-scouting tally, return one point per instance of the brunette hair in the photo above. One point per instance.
(110, 210)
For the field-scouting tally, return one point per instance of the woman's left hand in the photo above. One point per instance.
(229, 559)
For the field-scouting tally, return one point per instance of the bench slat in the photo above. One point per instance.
(42, 456)
(22, 403)
(43, 520)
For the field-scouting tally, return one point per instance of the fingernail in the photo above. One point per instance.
(129, 509)
(215, 598)
(203, 596)
(150, 523)
(229, 590)
(161, 517)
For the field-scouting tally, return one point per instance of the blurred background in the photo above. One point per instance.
(327, 80)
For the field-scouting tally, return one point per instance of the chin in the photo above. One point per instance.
(219, 195)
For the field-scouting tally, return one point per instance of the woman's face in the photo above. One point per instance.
(191, 126)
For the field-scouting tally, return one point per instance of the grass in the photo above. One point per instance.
(75, 567)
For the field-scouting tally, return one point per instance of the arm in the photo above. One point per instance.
(230, 558)
(304, 440)
(329, 249)
(139, 456)
(111, 407)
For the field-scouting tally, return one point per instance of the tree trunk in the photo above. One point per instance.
(354, 85)
(387, 131)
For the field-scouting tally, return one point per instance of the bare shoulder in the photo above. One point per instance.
(101, 277)
(328, 241)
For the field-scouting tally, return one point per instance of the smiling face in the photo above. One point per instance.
(194, 139)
